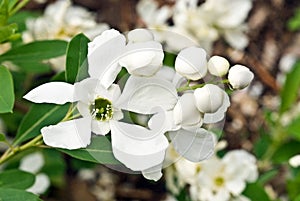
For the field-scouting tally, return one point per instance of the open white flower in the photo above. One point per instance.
(240, 76)
(33, 163)
(191, 63)
(108, 52)
(137, 147)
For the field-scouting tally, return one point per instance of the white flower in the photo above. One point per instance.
(108, 52)
(218, 66)
(212, 101)
(191, 63)
(33, 163)
(240, 76)
(135, 146)
(295, 161)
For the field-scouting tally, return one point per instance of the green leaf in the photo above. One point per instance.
(8, 194)
(254, 191)
(293, 187)
(286, 151)
(99, 151)
(294, 22)
(290, 89)
(294, 128)
(40, 115)
(7, 32)
(2, 137)
(264, 178)
(3, 12)
(76, 56)
(33, 66)
(169, 59)
(16, 179)
(35, 51)
(7, 96)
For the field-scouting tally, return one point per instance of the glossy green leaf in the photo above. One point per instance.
(3, 12)
(254, 191)
(6, 32)
(7, 96)
(293, 187)
(169, 59)
(99, 151)
(33, 66)
(40, 115)
(290, 89)
(8, 194)
(16, 179)
(36, 51)
(286, 151)
(76, 56)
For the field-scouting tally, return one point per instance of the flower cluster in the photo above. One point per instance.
(216, 179)
(204, 23)
(62, 20)
(176, 101)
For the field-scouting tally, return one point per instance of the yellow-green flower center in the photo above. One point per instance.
(101, 109)
(219, 181)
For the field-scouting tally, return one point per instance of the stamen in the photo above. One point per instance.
(101, 109)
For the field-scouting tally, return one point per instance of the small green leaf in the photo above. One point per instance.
(2, 137)
(76, 56)
(264, 178)
(7, 96)
(40, 115)
(169, 59)
(286, 151)
(16, 179)
(3, 12)
(254, 191)
(293, 187)
(8, 194)
(290, 89)
(7, 32)
(99, 151)
(35, 51)
(294, 22)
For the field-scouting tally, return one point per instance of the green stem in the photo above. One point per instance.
(187, 87)
(12, 151)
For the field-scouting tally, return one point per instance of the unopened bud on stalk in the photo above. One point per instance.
(240, 76)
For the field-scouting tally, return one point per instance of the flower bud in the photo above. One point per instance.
(191, 63)
(218, 66)
(240, 76)
(209, 98)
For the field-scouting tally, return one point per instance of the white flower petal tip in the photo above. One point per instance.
(72, 134)
(32, 162)
(209, 98)
(194, 146)
(52, 92)
(218, 66)
(153, 173)
(140, 35)
(41, 184)
(191, 63)
(295, 161)
(240, 76)
(137, 147)
(185, 112)
(143, 59)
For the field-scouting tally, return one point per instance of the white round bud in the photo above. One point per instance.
(218, 66)
(209, 98)
(240, 76)
(191, 63)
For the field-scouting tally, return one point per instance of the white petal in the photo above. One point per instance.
(236, 187)
(209, 98)
(191, 63)
(142, 95)
(140, 35)
(100, 127)
(210, 118)
(295, 161)
(240, 76)
(83, 109)
(153, 173)
(72, 134)
(237, 12)
(218, 66)
(236, 38)
(41, 184)
(115, 92)
(102, 60)
(194, 146)
(143, 59)
(52, 92)
(32, 163)
(137, 147)
(185, 111)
